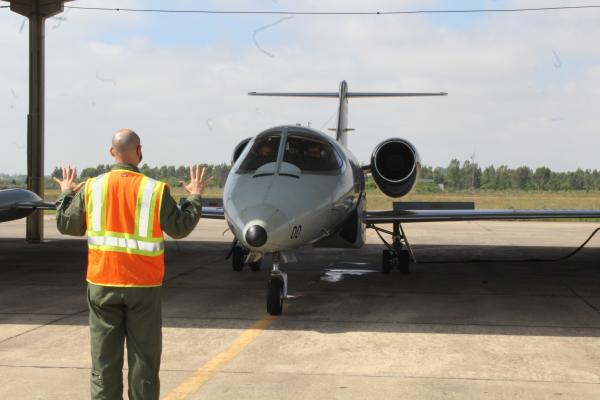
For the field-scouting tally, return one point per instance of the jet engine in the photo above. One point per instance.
(237, 151)
(395, 166)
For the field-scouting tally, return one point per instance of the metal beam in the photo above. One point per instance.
(35, 124)
(36, 11)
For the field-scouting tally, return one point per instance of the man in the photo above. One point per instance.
(313, 150)
(124, 214)
(266, 149)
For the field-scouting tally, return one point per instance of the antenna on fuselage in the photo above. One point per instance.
(343, 95)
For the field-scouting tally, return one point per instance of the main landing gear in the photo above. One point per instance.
(276, 288)
(398, 253)
(238, 259)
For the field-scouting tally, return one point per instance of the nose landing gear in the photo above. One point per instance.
(238, 256)
(398, 253)
(276, 288)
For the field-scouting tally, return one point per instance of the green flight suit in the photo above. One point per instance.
(131, 315)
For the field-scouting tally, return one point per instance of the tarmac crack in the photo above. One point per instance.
(43, 325)
(66, 316)
(187, 272)
(583, 299)
(34, 314)
(44, 367)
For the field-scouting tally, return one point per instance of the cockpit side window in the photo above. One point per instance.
(311, 155)
(263, 151)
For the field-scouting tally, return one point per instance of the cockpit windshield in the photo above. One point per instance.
(263, 151)
(311, 155)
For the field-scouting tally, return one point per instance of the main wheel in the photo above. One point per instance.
(255, 266)
(237, 258)
(275, 295)
(386, 262)
(404, 261)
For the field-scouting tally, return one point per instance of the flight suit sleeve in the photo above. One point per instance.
(179, 221)
(70, 213)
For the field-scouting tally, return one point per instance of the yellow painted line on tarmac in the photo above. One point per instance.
(204, 373)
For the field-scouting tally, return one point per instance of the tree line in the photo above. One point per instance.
(456, 176)
(468, 175)
(166, 173)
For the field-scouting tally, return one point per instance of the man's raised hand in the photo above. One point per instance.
(198, 181)
(68, 179)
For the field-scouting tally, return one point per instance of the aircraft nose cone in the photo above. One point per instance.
(256, 236)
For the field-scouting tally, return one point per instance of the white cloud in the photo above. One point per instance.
(508, 101)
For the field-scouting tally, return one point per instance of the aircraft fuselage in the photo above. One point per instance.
(290, 187)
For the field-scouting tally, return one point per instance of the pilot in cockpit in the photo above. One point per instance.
(266, 149)
(313, 156)
(267, 152)
(313, 151)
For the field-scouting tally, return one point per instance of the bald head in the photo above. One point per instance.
(126, 147)
(125, 140)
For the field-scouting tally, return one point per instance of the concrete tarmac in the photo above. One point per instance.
(461, 330)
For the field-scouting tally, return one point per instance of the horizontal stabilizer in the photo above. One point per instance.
(376, 94)
(348, 94)
(296, 94)
(341, 127)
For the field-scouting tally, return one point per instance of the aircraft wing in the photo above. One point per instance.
(213, 212)
(403, 216)
(34, 205)
(18, 203)
(207, 212)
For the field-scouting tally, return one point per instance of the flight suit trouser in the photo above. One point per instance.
(120, 315)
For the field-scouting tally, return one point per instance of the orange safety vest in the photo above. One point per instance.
(125, 241)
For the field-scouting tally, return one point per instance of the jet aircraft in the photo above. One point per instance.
(292, 186)
(19, 203)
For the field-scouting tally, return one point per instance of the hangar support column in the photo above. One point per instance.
(36, 11)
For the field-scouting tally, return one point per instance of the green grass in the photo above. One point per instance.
(376, 200)
(498, 200)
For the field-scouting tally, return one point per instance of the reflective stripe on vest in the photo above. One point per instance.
(126, 245)
(97, 194)
(126, 248)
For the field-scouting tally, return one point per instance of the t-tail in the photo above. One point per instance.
(341, 128)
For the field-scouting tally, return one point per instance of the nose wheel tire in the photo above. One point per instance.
(238, 257)
(275, 295)
(255, 266)
(238, 260)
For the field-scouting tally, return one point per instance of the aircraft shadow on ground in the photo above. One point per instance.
(332, 291)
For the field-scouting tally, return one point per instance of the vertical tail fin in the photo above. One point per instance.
(341, 129)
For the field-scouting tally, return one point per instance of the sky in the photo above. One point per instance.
(524, 88)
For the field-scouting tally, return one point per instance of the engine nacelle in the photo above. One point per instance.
(395, 166)
(239, 148)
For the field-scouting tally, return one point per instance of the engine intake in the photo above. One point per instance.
(395, 166)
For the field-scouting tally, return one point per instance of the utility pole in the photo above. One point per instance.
(36, 11)
(473, 170)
